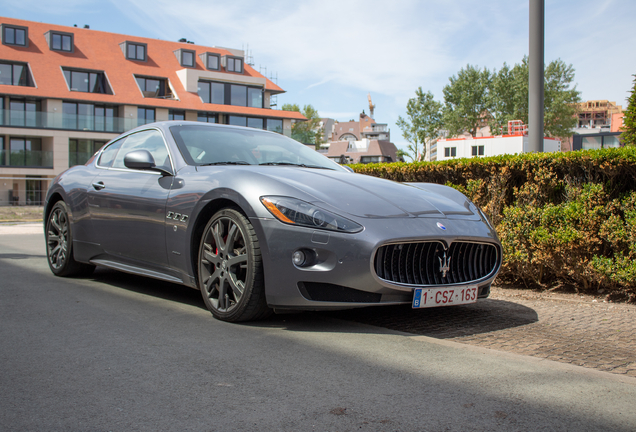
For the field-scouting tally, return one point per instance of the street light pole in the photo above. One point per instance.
(535, 84)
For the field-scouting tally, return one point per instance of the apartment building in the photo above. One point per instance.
(66, 91)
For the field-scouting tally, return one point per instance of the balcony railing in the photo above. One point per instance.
(54, 120)
(26, 158)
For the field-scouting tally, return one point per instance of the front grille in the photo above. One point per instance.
(424, 263)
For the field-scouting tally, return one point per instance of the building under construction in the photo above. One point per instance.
(597, 113)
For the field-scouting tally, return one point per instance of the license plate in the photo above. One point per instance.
(449, 296)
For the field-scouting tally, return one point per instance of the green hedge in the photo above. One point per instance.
(563, 218)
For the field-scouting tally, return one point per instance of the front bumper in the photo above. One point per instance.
(342, 274)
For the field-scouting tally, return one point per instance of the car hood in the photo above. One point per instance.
(372, 197)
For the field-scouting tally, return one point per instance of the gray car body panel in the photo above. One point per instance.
(147, 225)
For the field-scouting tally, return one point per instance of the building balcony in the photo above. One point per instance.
(26, 159)
(53, 120)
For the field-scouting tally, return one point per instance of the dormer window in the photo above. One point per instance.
(186, 57)
(86, 81)
(60, 41)
(152, 87)
(211, 61)
(233, 64)
(134, 50)
(15, 35)
(16, 74)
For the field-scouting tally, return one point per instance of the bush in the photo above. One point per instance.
(563, 218)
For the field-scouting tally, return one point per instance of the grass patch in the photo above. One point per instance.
(21, 213)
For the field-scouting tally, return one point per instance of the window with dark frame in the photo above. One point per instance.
(15, 35)
(26, 152)
(145, 115)
(152, 87)
(234, 64)
(85, 81)
(135, 51)
(16, 74)
(237, 120)
(253, 122)
(87, 116)
(176, 115)
(23, 112)
(207, 117)
(186, 57)
(212, 61)
(238, 95)
(450, 151)
(230, 94)
(212, 92)
(61, 41)
(81, 150)
(275, 125)
(478, 150)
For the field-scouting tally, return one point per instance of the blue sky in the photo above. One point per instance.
(332, 53)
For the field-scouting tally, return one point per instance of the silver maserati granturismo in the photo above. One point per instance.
(259, 223)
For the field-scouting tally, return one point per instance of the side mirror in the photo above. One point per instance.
(143, 160)
(139, 159)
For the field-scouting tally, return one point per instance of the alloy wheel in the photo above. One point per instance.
(223, 264)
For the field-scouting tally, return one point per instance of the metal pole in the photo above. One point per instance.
(535, 84)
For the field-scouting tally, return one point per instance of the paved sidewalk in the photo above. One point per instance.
(569, 328)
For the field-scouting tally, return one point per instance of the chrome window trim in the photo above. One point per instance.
(165, 143)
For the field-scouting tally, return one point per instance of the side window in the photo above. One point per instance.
(150, 140)
(108, 155)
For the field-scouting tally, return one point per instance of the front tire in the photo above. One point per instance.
(59, 244)
(231, 269)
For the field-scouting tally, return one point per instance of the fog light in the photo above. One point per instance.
(299, 258)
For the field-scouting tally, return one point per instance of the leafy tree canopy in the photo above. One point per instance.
(423, 123)
(509, 97)
(467, 100)
(629, 119)
(306, 132)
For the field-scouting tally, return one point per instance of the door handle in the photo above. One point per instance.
(99, 185)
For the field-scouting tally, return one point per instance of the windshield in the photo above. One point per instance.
(214, 145)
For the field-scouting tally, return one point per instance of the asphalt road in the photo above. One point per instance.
(118, 352)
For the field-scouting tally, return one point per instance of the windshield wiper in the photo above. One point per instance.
(227, 163)
(294, 164)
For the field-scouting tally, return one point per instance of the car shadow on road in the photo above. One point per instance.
(148, 286)
(20, 256)
(443, 323)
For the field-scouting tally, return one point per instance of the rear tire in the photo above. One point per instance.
(231, 269)
(59, 244)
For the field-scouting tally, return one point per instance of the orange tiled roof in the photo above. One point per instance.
(100, 51)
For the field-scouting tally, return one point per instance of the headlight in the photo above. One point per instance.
(296, 212)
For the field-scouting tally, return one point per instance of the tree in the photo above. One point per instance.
(509, 97)
(629, 119)
(424, 121)
(306, 132)
(467, 101)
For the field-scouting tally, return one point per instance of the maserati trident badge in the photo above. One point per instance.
(444, 266)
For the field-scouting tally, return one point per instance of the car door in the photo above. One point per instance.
(128, 206)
